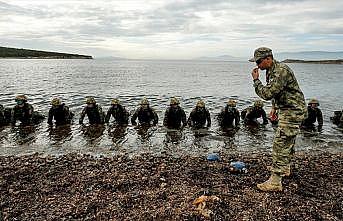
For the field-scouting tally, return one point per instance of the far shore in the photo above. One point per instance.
(338, 61)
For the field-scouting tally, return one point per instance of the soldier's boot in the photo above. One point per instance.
(272, 184)
(286, 173)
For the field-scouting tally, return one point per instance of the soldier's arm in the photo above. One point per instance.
(50, 116)
(134, 117)
(108, 115)
(319, 117)
(165, 120)
(183, 118)
(126, 116)
(208, 118)
(272, 88)
(237, 120)
(155, 122)
(101, 114)
(190, 119)
(82, 115)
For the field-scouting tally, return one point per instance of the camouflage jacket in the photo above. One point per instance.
(120, 115)
(282, 88)
(173, 117)
(62, 115)
(314, 114)
(23, 114)
(94, 114)
(145, 116)
(227, 116)
(197, 118)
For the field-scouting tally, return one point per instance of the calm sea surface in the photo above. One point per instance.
(130, 81)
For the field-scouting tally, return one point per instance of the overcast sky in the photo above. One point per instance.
(172, 29)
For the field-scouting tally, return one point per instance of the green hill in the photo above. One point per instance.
(26, 53)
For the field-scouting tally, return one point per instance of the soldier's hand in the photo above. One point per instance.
(255, 74)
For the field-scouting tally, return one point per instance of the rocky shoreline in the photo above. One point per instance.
(146, 187)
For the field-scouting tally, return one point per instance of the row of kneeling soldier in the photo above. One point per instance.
(174, 118)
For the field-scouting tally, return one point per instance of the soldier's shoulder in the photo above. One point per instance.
(283, 67)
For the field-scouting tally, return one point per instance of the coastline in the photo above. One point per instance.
(146, 187)
(338, 61)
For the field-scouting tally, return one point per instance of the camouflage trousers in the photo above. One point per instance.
(284, 140)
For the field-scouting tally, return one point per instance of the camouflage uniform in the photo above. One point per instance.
(95, 114)
(229, 114)
(119, 113)
(199, 115)
(145, 115)
(314, 114)
(22, 113)
(283, 89)
(60, 112)
(174, 115)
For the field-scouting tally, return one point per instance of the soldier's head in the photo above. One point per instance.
(313, 103)
(20, 99)
(144, 103)
(174, 102)
(200, 105)
(258, 104)
(90, 101)
(231, 103)
(56, 102)
(115, 102)
(263, 57)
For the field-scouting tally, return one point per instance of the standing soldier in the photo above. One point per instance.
(22, 111)
(119, 113)
(229, 114)
(146, 115)
(252, 113)
(199, 115)
(174, 115)
(60, 112)
(314, 114)
(93, 111)
(283, 89)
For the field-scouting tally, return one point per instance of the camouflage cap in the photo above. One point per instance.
(174, 100)
(314, 101)
(262, 52)
(90, 100)
(144, 101)
(115, 101)
(200, 103)
(56, 101)
(232, 103)
(258, 103)
(21, 97)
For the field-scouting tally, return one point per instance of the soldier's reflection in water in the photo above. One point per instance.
(24, 134)
(173, 136)
(60, 134)
(145, 131)
(118, 134)
(93, 132)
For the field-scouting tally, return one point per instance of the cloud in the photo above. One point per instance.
(155, 28)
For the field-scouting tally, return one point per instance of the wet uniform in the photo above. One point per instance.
(198, 117)
(173, 118)
(227, 116)
(314, 114)
(23, 114)
(94, 114)
(251, 114)
(145, 116)
(60, 114)
(119, 113)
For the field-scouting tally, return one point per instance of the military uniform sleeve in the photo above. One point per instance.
(108, 115)
(237, 117)
(165, 120)
(82, 115)
(50, 116)
(155, 121)
(208, 118)
(183, 118)
(134, 117)
(319, 117)
(101, 114)
(190, 118)
(272, 88)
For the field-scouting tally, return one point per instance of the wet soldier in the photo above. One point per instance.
(119, 113)
(314, 114)
(59, 112)
(228, 115)
(145, 114)
(252, 113)
(174, 115)
(94, 112)
(337, 118)
(199, 116)
(287, 98)
(22, 111)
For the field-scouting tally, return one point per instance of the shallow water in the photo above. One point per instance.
(130, 81)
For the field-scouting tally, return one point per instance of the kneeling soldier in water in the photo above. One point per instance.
(314, 114)
(229, 114)
(174, 115)
(119, 113)
(199, 115)
(146, 115)
(59, 112)
(252, 113)
(337, 118)
(93, 111)
(22, 111)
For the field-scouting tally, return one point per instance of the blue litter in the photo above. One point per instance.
(213, 157)
(238, 166)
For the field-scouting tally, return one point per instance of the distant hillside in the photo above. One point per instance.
(339, 61)
(310, 55)
(26, 53)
